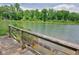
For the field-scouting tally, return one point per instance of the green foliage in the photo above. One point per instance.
(50, 14)
(14, 12)
(11, 12)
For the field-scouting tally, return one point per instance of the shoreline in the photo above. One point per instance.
(22, 23)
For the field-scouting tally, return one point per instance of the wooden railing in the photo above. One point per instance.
(41, 43)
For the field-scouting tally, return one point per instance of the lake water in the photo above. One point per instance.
(64, 32)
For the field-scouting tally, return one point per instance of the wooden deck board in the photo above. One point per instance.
(9, 46)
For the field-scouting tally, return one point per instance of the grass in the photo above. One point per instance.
(58, 22)
(23, 23)
(3, 27)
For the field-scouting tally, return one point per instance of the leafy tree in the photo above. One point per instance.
(17, 7)
(16, 13)
(44, 14)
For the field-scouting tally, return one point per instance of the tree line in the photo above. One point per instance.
(14, 12)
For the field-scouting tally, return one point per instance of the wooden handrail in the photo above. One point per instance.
(63, 43)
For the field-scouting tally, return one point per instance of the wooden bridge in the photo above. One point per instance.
(27, 42)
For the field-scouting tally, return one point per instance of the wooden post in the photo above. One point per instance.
(77, 52)
(22, 41)
(9, 31)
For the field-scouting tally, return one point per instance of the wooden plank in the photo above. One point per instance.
(33, 50)
(51, 47)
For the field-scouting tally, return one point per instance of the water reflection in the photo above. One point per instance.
(63, 32)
